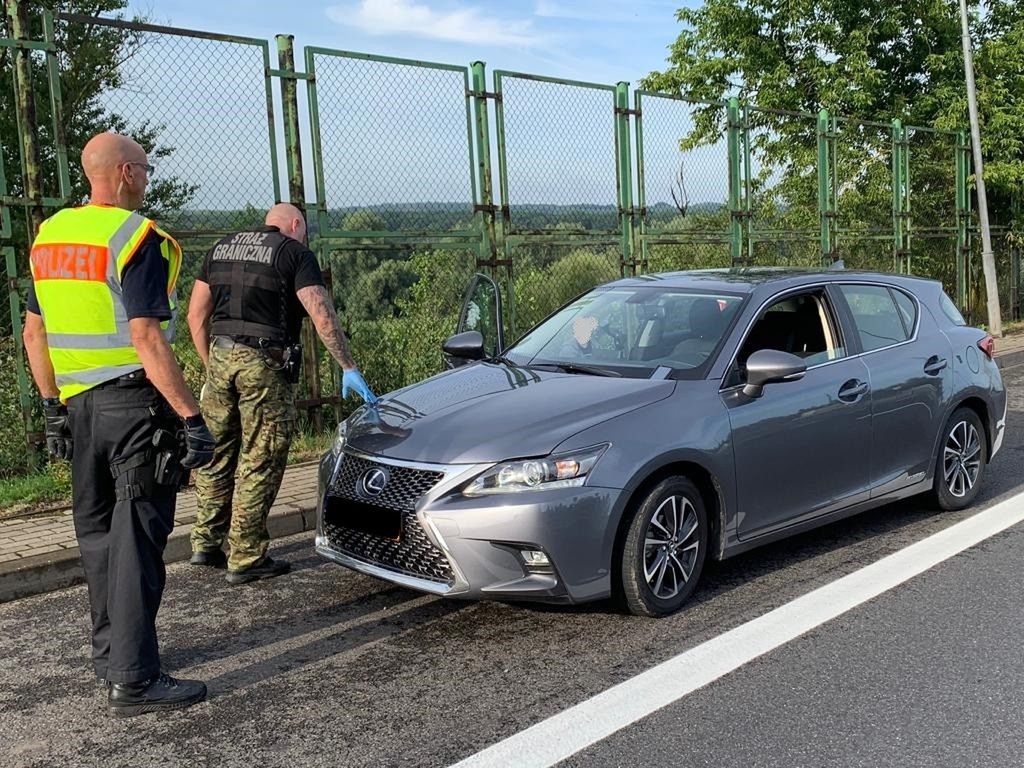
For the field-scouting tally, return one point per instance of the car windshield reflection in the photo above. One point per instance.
(631, 332)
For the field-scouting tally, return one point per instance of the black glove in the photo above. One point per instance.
(58, 429)
(199, 443)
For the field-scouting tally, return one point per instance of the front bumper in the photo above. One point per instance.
(469, 547)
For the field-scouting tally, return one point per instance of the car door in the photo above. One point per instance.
(481, 312)
(801, 448)
(909, 365)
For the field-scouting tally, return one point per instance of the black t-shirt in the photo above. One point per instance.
(297, 267)
(143, 283)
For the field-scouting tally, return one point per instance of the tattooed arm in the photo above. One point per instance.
(320, 308)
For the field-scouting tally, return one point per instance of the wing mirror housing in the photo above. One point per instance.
(465, 346)
(767, 366)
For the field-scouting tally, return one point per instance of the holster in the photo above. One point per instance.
(293, 362)
(167, 467)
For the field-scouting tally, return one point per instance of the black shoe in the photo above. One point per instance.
(264, 568)
(155, 695)
(214, 558)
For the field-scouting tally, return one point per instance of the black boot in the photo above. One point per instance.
(214, 558)
(264, 568)
(155, 695)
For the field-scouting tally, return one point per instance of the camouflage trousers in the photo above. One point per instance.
(250, 410)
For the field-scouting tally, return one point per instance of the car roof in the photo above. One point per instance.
(749, 279)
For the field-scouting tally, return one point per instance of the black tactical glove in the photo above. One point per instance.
(199, 443)
(58, 429)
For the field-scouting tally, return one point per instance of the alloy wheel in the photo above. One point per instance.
(961, 458)
(671, 546)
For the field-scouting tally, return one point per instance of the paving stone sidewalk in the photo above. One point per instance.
(39, 553)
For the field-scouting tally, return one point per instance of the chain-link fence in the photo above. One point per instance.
(585, 185)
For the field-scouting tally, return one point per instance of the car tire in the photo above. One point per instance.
(657, 578)
(960, 464)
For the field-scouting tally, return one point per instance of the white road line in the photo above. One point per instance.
(563, 735)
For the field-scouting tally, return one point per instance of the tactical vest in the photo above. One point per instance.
(78, 259)
(251, 296)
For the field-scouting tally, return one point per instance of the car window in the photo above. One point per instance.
(875, 315)
(949, 310)
(633, 330)
(800, 324)
(908, 310)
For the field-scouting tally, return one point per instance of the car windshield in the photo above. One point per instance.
(631, 331)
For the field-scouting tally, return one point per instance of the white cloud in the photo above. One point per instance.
(547, 9)
(464, 24)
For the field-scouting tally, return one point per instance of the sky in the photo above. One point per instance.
(394, 135)
(578, 39)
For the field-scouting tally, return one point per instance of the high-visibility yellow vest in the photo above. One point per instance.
(78, 258)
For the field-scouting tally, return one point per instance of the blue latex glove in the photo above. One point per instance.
(353, 380)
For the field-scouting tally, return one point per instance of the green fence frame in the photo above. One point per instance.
(494, 234)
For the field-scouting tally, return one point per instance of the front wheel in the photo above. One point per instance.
(960, 466)
(663, 552)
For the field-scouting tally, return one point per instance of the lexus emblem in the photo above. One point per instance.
(373, 481)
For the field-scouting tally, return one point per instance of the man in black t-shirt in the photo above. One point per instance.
(245, 315)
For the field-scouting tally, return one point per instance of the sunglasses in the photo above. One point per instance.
(150, 170)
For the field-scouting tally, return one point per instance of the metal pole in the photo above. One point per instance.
(995, 322)
(735, 182)
(963, 220)
(824, 186)
(624, 177)
(17, 16)
(297, 196)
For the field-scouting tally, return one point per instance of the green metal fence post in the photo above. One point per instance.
(28, 129)
(826, 212)
(297, 196)
(898, 250)
(24, 388)
(488, 246)
(963, 218)
(624, 177)
(736, 196)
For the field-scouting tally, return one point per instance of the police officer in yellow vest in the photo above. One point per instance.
(100, 318)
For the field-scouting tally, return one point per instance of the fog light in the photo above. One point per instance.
(534, 558)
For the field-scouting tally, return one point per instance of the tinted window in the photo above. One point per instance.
(876, 316)
(908, 310)
(949, 310)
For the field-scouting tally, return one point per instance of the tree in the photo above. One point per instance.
(869, 59)
(89, 58)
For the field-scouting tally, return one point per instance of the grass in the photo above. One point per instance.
(28, 493)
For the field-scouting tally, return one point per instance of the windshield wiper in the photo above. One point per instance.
(592, 370)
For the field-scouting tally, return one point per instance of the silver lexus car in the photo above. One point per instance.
(656, 422)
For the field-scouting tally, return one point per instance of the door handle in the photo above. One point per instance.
(935, 365)
(852, 390)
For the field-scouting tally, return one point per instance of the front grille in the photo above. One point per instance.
(413, 555)
(402, 491)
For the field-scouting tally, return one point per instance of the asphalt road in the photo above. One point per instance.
(327, 667)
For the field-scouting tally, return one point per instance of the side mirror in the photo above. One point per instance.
(465, 346)
(770, 365)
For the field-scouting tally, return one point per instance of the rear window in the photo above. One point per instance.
(949, 310)
(876, 316)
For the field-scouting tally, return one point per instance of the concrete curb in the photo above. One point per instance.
(1009, 359)
(56, 570)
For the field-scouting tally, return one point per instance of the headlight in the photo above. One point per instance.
(564, 470)
(339, 438)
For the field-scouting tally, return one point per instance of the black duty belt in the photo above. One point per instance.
(133, 379)
(230, 342)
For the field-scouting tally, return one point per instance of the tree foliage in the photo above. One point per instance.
(868, 59)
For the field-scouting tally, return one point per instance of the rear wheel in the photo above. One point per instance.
(664, 549)
(960, 465)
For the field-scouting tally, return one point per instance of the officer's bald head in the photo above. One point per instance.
(116, 168)
(289, 219)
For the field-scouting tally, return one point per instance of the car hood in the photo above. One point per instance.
(489, 412)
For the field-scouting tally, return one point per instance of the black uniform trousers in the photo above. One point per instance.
(122, 521)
